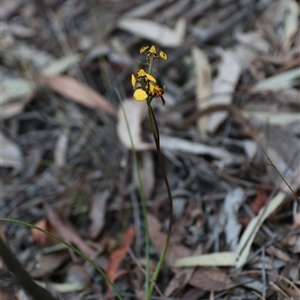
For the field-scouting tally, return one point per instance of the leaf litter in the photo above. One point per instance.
(66, 161)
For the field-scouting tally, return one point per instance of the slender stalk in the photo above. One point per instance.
(155, 133)
(143, 200)
(295, 194)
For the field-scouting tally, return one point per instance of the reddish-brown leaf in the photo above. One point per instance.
(118, 255)
(41, 238)
(259, 201)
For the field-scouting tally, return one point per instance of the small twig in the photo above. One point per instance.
(279, 290)
(293, 192)
(258, 295)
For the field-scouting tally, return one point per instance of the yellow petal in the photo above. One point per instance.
(150, 77)
(143, 49)
(163, 55)
(142, 73)
(133, 80)
(151, 88)
(152, 50)
(140, 95)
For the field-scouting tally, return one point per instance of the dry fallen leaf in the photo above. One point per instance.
(61, 148)
(291, 25)
(220, 259)
(147, 173)
(229, 72)
(278, 82)
(68, 287)
(60, 65)
(12, 109)
(134, 112)
(150, 30)
(233, 201)
(78, 92)
(10, 154)
(178, 144)
(273, 118)
(97, 213)
(203, 83)
(211, 279)
(41, 238)
(259, 201)
(15, 89)
(49, 263)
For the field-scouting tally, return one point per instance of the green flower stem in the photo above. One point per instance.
(143, 200)
(155, 133)
(70, 247)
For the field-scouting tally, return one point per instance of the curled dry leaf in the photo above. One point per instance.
(135, 113)
(153, 31)
(78, 92)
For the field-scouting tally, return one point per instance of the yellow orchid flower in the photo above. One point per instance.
(144, 83)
